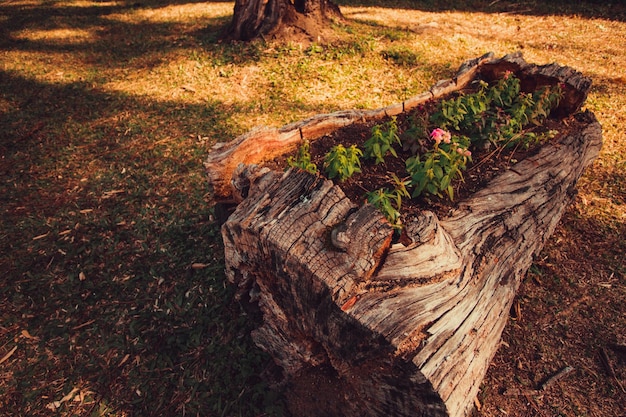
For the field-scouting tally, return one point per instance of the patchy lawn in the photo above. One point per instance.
(113, 300)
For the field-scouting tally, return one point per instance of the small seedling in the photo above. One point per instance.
(342, 162)
(390, 202)
(380, 144)
(439, 168)
(302, 159)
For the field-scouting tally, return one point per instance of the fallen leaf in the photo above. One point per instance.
(53, 405)
(82, 396)
(109, 194)
(124, 359)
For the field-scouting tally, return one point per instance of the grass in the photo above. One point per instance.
(113, 300)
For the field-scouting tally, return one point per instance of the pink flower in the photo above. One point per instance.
(439, 135)
(464, 152)
(507, 74)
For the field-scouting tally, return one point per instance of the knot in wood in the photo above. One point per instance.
(423, 228)
(244, 177)
(339, 237)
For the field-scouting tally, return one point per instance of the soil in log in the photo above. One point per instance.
(402, 327)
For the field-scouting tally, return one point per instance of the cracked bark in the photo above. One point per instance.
(258, 19)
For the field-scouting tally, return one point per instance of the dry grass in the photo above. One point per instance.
(107, 110)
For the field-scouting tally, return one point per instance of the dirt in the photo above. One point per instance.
(568, 313)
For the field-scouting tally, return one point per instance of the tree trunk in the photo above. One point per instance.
(405, 329)
(280, 18)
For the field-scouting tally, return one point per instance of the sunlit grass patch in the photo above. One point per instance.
(177, 13)
(64, 36)
(79, 4)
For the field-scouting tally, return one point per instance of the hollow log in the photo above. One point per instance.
(407, 329)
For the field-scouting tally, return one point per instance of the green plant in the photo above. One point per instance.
(390, 202)
(302, 159)
(380, 144)
(414, 138)
(500, 114)
(435, 172)
(342, 162)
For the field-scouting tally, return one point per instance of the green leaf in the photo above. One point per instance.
(450, 191)
(438, 171)
(445, 182)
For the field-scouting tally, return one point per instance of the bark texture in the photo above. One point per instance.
(408, 329)
(258, 18)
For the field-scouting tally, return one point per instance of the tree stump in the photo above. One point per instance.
(408, 329)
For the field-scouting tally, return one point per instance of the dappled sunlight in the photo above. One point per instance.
(83, 3)
(108, 110)
(64, 36)
(465, 33)
(52, 67)
(454, 35)
(176, 13)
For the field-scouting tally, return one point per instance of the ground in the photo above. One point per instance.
(113, 298)
(565, 315)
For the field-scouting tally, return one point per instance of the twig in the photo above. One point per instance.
(483, 161)
(533, 404)
(80, 326)
(8, 355)
(544, 386)
(556, 377)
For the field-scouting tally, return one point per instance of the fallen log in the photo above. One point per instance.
(406, 329)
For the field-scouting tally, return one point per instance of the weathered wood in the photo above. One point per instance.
(409, 328)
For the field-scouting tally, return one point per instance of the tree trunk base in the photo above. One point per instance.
(301, 20)
(398, 329)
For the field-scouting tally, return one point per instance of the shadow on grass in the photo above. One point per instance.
(113, 268)
(588, 9)
(104, 216)
(110, 41)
